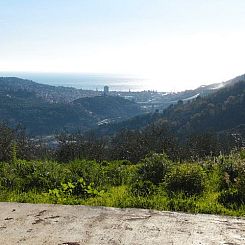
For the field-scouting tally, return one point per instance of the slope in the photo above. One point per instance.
(19, 104)
(220, 111)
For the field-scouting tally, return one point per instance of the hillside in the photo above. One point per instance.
(39, 116)
(134, 123)
(42, 117)
(113, 107)
(204, 90)
(49, 93)
(220, 111)
(201, 91)
(44, 109)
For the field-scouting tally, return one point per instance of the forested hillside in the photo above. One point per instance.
(109, 106)
(219, 111)
(42, 117)
(49, 93)
(39, 116)
(45, 109)
(206, 125)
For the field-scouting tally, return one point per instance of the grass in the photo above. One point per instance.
(120, 197)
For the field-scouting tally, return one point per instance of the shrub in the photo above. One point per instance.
(229, 171)
(79, 189)
(89, 170)
(27, 175)
(230, 198)
(114, 173)
(188, 179)
(233, 181)
(154, 168)
(142, 188)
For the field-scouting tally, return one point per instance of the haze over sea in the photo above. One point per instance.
(85, 80)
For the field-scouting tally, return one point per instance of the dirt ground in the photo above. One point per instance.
(75, 225)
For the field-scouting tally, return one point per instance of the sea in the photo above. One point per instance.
(85, 80)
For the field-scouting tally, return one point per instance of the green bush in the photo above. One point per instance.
(232, 184)
(143, 188)
(154, 168)
(231, 198)
(28, 175)
(229, 171)
(89, 170)
(188, 179)
(115, 173)
(150, 173)
(76, 189)
(155, 183)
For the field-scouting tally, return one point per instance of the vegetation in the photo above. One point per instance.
(218, 113)
(214, 185)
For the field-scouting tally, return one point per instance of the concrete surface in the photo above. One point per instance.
(75, 225)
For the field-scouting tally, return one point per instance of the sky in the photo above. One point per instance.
(174, 44)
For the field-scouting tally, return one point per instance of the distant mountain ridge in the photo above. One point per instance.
(45, 109)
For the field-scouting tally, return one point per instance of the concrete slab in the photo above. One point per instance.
(75, 225)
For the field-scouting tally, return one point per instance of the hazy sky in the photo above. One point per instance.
(175, 43)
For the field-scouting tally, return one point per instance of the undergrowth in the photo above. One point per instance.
(213, 186)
